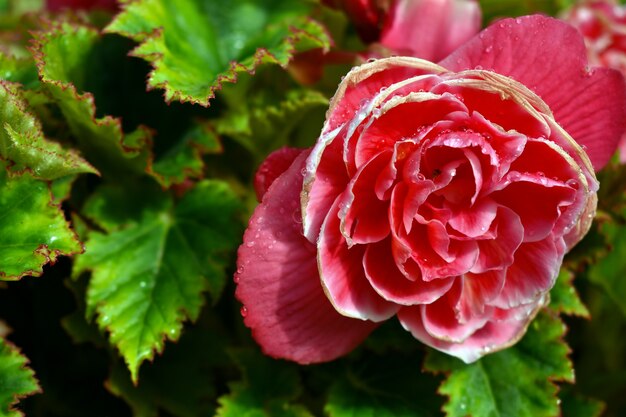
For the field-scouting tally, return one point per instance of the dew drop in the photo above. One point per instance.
(250, 244)
(572, 183)
(243, 311)
(488, 49)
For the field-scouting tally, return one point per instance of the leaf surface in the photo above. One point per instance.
(155, 259)
(22, 141)
(16, 379)
(33, 230)
(62, 55)
(389, 385)
(268, 389)
(608, 272)
(195, 45)
(515, 382)
(564, 298)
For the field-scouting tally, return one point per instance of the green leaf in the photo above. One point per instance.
(62, 55)
(195, 46)
(150, 269)
(191, 362)
(390, 385)
(609, 272)
(268, 389)
(33, 230)
(264, 122)
(16, 379)
(22, 141)
(184, 159)
(515, 382)
(564, 298)
(19, 70)
(577, 406)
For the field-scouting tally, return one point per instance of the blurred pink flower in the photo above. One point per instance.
(429, 29)
(603, 26)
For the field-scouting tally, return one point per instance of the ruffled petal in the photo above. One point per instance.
(493, 336)
(391, 284)
(549, 57)
(343, 277)
(279, 285)
(273, 166)
(533, 273)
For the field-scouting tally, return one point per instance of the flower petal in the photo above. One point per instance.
(549, 57)
(493, 336)
(391, 284)
(279, 286)
(343, 277)
(273, 166)
(534, 271)
(430, 29)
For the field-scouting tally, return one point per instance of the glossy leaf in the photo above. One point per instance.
(564, 298)
(265, 123)
(518, 381)
(191, 363)
(151, 267)
(62, 54)
(267, 389)
(16, 379)
(184, 159)
(23, 143)
(391, 385)
(33, 230)
(19, 70)
(195, 46)
(609, 271)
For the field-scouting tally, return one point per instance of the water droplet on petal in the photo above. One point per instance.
(243, 311)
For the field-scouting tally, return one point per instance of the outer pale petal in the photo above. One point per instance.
(549, 57)
(533, 273)
(430, 29)
(493, 336)
(343, 276)
(279, 286)
(273, 166)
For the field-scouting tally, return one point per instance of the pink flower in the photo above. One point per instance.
(603, 26)
(57, 5)
(429, 29)
(445, 195)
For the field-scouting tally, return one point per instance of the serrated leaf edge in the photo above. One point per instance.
(230, 76)
(29, 371)
(50, 257)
